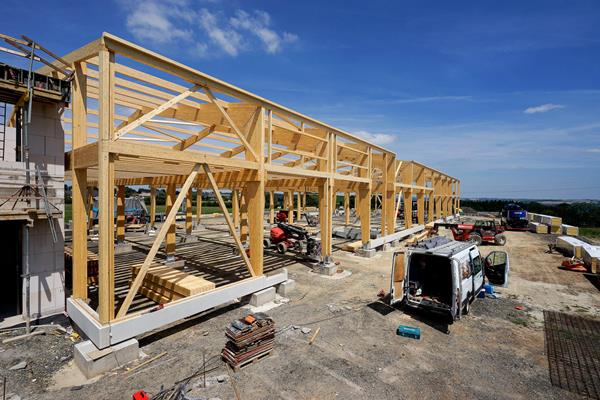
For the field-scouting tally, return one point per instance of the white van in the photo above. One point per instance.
(445, 279)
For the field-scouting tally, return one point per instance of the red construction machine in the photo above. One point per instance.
(479, 232)
(285, 236)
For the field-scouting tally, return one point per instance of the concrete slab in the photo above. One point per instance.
(285, 288)
(93, 362)
(190, 239)
(174, 263)
(262, 297)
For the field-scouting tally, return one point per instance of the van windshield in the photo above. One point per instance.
(430, 279)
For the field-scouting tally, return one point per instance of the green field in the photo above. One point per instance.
(159, 209)
(590, 232)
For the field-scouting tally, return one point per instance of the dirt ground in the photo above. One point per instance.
(494, 352)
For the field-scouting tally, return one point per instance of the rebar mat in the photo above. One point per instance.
(572, 345)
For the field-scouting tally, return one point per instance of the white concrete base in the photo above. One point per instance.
(285, 288)
(121, 248)
(327, 269)
(174, 263)
(190, 239)
(262, 297)
(367, 253)
(93, 362)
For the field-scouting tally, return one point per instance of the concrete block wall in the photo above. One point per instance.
(46, 142)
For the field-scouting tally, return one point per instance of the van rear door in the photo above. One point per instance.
(398, 282)
(496, 268)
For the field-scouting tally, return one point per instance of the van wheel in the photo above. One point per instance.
(475, 238)
(500, 239)
(266, 243)
(467, 307)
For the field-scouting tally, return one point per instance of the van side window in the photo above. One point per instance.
(465, 268)
(477, 265)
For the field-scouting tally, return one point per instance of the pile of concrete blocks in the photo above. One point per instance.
(570, 230)
(553, 225)
(537, 227)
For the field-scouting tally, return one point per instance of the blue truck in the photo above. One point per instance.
(514, 217)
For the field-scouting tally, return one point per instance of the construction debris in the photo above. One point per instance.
(250, 339)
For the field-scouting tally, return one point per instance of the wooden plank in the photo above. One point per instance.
(173, 280)
(212, 98)
(105, 190)
(162, 233)
(120, 214)
(172, 229)
(79, 182)
(149, 115)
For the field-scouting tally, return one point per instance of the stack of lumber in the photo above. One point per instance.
(249, 339)
(569, 230)
(163, 284)
(537, 227)
(577, 248)
(92, 264)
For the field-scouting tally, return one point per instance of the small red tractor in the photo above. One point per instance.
(285, 236)
(479, 232)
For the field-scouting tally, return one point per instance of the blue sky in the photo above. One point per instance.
(503, 95)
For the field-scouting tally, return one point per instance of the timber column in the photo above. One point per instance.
(171, 234)
(388, 213)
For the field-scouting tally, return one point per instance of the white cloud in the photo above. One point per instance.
(258, 25)
(593, 150)
(543, 108)
(376, 138)
(159, 21)
(229, 40)
(212, 32)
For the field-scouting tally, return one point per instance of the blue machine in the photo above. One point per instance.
(514, 217)
(409, 331)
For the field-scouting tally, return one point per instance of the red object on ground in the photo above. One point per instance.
(141, 395)
(520, 308)
(574, 265)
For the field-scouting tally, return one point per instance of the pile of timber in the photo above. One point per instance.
(541, 223)
(163, 284)
(249, 339)
(579, 249)
(92, 265)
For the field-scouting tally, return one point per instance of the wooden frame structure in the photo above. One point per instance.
(138, 118)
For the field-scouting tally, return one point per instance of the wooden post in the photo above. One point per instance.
(171, 233)
(304, 200)
(198, 206)
(243, 217)
(80, 221)
(188, 212)
(389, 192)
(421, 198)
(347, 207)
(364, 211)
(235, 208)
(271, 208)
(325, 216)
(431, 211)
(255, 192)
(120, 214)
(407, 207)
(298, 207)
(290, 207)
(152, 206)
(106, 172)
(90, 207)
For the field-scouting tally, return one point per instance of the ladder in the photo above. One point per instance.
(2, 130)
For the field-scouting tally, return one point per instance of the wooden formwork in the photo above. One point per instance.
(138, 118)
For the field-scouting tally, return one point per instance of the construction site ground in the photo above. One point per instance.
(494, 352)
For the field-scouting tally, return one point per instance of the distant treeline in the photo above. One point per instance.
(578, 214)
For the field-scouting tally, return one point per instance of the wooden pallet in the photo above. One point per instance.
(250, 361)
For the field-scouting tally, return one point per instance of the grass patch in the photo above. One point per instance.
(590, 232)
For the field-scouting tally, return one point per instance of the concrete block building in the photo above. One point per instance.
(23, 207)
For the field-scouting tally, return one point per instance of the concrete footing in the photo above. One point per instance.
(327, 268)
(190, 239)
(264, 296)
(199, 227)
(285, 288)
(121, 248)
(368, 253)
(93, 362)
(174, 263)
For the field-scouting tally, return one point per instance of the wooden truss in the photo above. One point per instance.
(138, 118)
